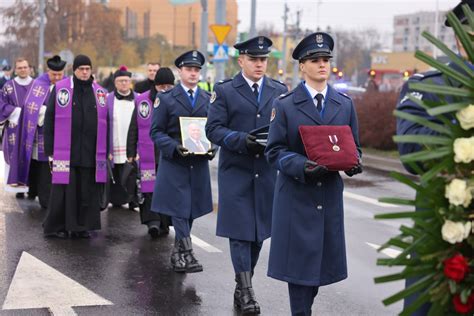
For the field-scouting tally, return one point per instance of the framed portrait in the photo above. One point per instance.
(193, 134)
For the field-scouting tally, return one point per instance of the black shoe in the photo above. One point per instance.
(20, 195)
(177, 261)
(246, 301)
(60, 235)
(83, 234)
(132, 206)
(31, 196)
(154, 231)
(186, 248)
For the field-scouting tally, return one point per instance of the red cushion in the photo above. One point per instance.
(330, 145)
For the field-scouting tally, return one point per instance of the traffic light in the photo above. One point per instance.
(335, 70)
(372, 73)
(280, 72)
(406, 74)
(340, 75)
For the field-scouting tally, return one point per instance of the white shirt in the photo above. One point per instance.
(23, 82)
(123, 110)
(250, 83)
(187, 89)
(313, 93)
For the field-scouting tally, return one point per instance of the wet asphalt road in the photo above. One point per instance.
(123, 265)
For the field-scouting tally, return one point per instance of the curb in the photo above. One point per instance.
(383, 164)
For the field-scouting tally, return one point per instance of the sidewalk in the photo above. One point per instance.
(383, 163)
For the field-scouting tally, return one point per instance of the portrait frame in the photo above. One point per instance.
(193, 134)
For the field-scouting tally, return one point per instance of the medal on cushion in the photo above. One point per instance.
(333, 139)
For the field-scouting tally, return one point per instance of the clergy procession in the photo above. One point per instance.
(82, 150)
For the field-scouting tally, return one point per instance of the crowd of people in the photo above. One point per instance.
(79, 148)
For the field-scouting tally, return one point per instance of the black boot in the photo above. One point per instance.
(177, 260)
(246, 302)
(192, 264)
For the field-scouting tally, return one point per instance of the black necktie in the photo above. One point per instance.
(319, 106)
(255, 90)
(190, 91)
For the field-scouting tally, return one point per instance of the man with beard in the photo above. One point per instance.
(11, 108)
(32, 165)
(76, 143)
(246, 181)
(145, 154)
(183, 185)
(145, 85)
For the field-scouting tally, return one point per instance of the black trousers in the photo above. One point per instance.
(147, 216)
(118, 195)
(301, 298)
(74, 207)
(39, 181)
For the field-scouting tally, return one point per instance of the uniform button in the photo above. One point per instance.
(258, 115)
(319, 207)
(256, 175)
(257, 156)
(191, 167)
(319, 184)
(296, 178)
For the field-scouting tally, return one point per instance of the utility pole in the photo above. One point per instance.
(41, 38)
(220, 19)
(296, 64)
(435, 50)
(283, 49)
(204, 39)
(253, 29)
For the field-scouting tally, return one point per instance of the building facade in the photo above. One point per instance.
(179, 24)
(408, 28)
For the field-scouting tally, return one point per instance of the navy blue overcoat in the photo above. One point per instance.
(183, 186)
(308, 246)
(246, 182)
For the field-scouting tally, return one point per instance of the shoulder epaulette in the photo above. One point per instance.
(224, 81)
(278, 81)
(425, 75)
(284, 95)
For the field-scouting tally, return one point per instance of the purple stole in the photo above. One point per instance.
(11, 137)
(62, 132)
(23, 148)
(146, 149)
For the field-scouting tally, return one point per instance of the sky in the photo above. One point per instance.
(345, 14)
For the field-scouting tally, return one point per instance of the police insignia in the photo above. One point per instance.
(156, 103)
(144, 109)
(101, 97)
(272, 116)
(195, 54)
(213, 96)
(63, 97)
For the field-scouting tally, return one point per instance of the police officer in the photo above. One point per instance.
(246, 181)
(308, 247)
(183, 186)
(405, 127)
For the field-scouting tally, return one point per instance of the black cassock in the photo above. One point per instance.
(75, 207)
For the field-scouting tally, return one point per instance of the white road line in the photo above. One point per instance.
(201, 243)
(37, 285)
(365, 199)
(392, 253)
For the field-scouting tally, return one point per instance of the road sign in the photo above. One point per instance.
(220, 31)
(37, 285)
(221, 53)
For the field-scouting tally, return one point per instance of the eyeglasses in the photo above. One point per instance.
(123, 80)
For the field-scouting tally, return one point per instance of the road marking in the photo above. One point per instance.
(201, 243)
(392, 253)
(37, 285)
(366, 199)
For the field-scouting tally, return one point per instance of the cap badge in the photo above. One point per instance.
(260, 40)
(195, 53)
(319, 38)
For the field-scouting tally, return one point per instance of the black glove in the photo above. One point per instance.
(253, 147)
(354, 170)
(182, 151)
(313, 171)
(211, 153)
